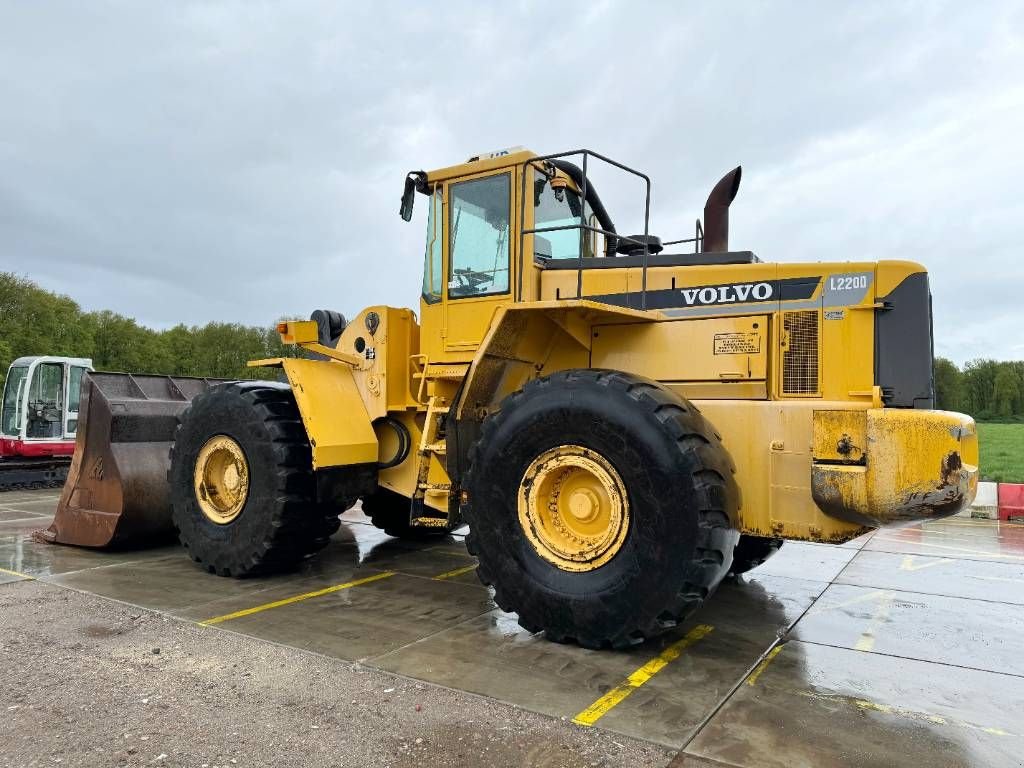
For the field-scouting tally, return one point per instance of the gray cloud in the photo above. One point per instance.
(239, 161)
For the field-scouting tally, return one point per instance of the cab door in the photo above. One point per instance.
(432, 312)
(481, 231)
(45, 402)
(73, 388)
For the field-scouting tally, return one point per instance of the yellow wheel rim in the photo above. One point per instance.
(221, 479)
(573, 508)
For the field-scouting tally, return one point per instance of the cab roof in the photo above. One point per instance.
(481, 163)
(29, 360)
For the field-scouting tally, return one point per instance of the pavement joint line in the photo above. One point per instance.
(25, 519)
(964, 550)
(454, 573)
(971, 558)
(959, 535)
(984, 521)
(295, 599)
(825, 583)
(805, 641)
(928, 594)
(639, 677)
(902, 533)
(430, 636)
(19, 574)
(50, 577)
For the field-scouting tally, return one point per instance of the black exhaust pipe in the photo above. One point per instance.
(716, 211)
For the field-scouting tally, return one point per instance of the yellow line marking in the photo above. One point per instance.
(19, 574)
(908, 563)
(603, 705)
(926, 716)
(867, 639)
(764, 664)
(296, 599)
(456, 572)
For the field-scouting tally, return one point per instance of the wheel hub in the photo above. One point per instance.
(221, 479)
(573, 508)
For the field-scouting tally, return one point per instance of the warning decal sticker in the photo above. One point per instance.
(747, 343)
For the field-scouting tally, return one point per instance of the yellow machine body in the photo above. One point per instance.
(782, 359)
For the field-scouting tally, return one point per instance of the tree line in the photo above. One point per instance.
(34, 321)
(988, 390)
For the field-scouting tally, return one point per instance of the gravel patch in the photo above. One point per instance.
(86, 681)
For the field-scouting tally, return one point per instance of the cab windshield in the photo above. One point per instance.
(10, 414)
(559, 206)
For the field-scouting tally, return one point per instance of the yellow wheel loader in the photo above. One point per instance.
(621, 421)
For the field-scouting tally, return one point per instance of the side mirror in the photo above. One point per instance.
(415, 180)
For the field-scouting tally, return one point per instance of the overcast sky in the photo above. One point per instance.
(182, 162)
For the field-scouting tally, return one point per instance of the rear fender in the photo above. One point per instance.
(525, 341)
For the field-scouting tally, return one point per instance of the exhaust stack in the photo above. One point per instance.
(716, 211)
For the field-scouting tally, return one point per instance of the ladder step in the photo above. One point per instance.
(435, 487)
(430, 522)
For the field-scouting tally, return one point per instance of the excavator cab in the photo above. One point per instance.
(39, 419)
(40, 405)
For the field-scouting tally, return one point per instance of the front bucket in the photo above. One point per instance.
(117, 491)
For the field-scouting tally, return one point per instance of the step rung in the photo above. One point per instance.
(435, 487)
(430, 522)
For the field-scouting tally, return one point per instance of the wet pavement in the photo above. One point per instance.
(902, 648)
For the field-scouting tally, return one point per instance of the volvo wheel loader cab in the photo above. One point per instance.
(622, 420)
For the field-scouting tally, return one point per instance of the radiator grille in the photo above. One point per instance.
(800, 360)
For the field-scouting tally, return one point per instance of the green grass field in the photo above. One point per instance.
(1002, 452)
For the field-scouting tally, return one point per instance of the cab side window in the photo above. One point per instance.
(433, 276)
(46, 402)
(479, 227)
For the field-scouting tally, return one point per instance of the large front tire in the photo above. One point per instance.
(243, 495)
(600, 506)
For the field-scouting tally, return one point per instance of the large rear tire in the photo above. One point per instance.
(600, 506)
(243, 494)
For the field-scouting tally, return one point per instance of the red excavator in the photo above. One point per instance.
(39, 419)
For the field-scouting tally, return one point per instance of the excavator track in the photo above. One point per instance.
(28, 474)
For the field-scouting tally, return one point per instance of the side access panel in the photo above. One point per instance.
(722, 358)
